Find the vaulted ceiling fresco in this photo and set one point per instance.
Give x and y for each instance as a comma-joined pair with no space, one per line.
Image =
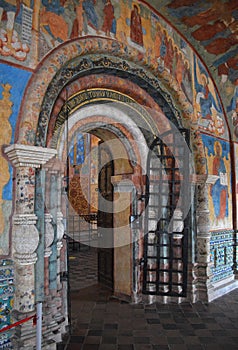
211,26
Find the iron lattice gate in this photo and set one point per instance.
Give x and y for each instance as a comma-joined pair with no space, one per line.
167,216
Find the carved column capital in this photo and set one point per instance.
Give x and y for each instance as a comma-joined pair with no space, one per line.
28,156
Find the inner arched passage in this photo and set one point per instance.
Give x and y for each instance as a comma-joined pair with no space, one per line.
126,146
112,114
117,121
112,126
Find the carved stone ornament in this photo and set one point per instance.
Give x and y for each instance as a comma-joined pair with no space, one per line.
49,234
25,234
60,229
203,247
203,222
203,219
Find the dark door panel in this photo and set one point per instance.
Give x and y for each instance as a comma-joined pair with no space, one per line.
105,217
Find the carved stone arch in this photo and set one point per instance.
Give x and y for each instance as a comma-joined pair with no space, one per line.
63,60
96,64
179,113
173,104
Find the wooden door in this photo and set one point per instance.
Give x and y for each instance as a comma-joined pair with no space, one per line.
105,217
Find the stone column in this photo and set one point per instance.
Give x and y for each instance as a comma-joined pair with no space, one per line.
25,235
55,173
203,244
49,238
54,307
50,325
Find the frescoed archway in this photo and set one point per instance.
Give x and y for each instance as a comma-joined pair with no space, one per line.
84,81
128,78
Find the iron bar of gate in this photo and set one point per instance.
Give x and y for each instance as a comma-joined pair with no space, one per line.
82,229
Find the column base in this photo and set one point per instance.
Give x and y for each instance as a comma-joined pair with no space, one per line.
221,288
24,336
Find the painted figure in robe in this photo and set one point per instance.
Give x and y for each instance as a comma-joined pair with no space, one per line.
90,13
233,108
79,23
136,33
53,25
206,95
108,17
219,190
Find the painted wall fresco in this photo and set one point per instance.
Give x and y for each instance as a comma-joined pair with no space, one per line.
232,107
17,35
219,179
31,30
212,28
83,186
236,178
133,24
207,103
94,174
12,85
83,173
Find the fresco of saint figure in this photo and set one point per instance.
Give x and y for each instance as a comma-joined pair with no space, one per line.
78,25
206,96
219,190
90,13
53,25
233,108
136,33
109,18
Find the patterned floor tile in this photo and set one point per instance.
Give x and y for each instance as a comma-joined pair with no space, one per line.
102,322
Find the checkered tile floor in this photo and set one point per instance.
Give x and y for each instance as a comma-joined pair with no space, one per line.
100,322
82,267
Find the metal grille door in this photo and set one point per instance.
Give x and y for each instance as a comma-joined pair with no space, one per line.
167,217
